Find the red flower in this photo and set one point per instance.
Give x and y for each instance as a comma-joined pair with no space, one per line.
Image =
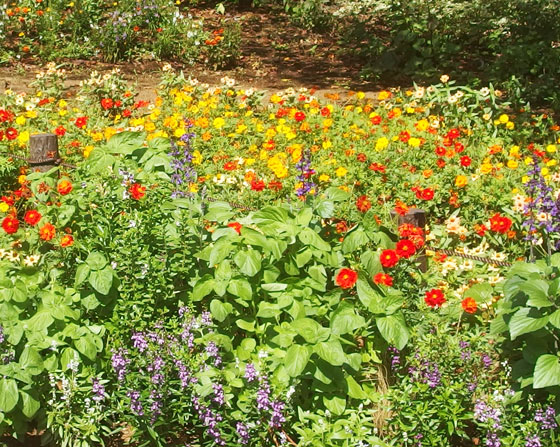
64,187
426,194
126,113
47,232
389,258
137,191
469,305
459,147
384,279
10,224
60,131
230,166
32,217
377,167
299,116
275,185
440,151
376,119
258,185
440,163
480,229
346,278
236,226
453,133
434,298
404,136
361,157
81,122
106,103
363,204
405,248
325,111
500,224
67,240
341,227
465,161
11,133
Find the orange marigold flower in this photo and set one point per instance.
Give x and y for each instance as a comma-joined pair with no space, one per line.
64,187
137,191
346,278
383,279
47,232
236,226
67,240
469,305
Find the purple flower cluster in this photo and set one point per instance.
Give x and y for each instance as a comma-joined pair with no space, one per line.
395,357
243,433
251,373
210,419
219,397
465,351
181,163
277,414
2,336
212,351
135,404
119,361
491,417
306,172
546,418
533,441
98,390
428,372
543,203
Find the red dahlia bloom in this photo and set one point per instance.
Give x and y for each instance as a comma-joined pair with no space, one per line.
465,161
383,279
32,217
11,133
405,248
346,278
137,191
81,122
434,298
10,224
106,103
469,305
258,185
299,116
389,258
60,131
500,224
376,119
363,204
427,194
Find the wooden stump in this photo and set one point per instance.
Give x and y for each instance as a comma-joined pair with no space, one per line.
43,152
416,217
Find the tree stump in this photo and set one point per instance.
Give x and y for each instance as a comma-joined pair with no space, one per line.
43,152
416,217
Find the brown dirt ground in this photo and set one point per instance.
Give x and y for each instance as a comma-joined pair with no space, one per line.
275,55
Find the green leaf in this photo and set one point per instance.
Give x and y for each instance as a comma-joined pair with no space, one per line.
309,329
325,209
240,288
537,290
308,237
554,319
296,360
31,361
248,261
96,261
101,280
331,352
274,287
344,319
268,310
547,371
82,273
86,346
369,297
355,391
30,405
220,212
394,330
220,310
481,293
246,325
335,404
9,395
124,142
521,323
40,321
203,287
65,213
354,240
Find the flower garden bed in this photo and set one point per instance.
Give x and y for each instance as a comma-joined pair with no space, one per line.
214,267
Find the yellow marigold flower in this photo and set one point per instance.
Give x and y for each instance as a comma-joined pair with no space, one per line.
512,164
381,144
31,113
422,125
291,135
397,112
551,148
87,150
545,171
358,110
250,161
341,171
63,112
62,103
149,126
193,187
4,207
510,125
263,154
179,132
485,168
360,95
241,128
344,188
410,110
196,157
171,122
21,179
525,179
383,95
109,132
270,133
327,144
218,123
414,142
324,178
97,136
275,99
23,137
551,163
528,161
503,119
296,153
20,120
327,122
461,181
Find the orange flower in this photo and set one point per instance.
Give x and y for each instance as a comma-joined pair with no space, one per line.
67,240
64,187
346,278
469,305
47,232
137,191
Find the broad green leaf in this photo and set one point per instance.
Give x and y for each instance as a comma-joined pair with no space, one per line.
369,297
220,212
268,310
9,395
371,263
96,261
325,209
303,257
82,273
248,261
331,352
219,310
65,213
274,287
40,321
86,346
537,290
309,329
101,280
355,391
309,237
247,325
394,330
335,404
30,405
344,319
522,323
296,360
547,371
203,287
554,319
357,238
241,288
481,293
31,361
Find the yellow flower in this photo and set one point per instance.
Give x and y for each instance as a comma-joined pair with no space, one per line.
87,151
341,171
422,125
22,179
486,168
525,179
193,187
512,164
503,119
250,161
196,157
383,95
360,95
149,126
62,103
20,120
179,132
327,144
31,113
510,125
4,207
551,163
109,132
324,178
551,148
23,137
545,171
461,181
381,144
414,142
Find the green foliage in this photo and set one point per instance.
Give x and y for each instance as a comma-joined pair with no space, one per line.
529,314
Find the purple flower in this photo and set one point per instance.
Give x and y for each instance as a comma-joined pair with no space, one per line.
219,397
2,336
181,163
487,361
212,351
533,441
98,390
250,372
304,166
493,440
243,433
119,362
395,358
263,396
135,404
277,417
139,342
485,413
547,418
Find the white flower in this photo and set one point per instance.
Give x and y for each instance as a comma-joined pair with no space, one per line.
485,91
